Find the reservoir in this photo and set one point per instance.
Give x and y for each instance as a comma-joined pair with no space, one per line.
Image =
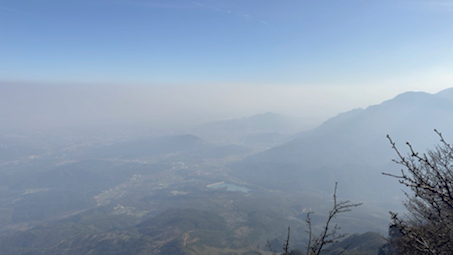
228,186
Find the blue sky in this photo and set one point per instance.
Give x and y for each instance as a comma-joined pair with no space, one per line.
362,51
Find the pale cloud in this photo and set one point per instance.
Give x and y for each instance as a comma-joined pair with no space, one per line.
438,6
185,4
160,4
13,10
229,12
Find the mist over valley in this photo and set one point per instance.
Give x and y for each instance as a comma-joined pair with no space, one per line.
216,187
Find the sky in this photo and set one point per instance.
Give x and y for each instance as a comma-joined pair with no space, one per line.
209,59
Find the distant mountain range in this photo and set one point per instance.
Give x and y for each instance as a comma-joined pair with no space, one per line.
359,136
260,130
266,122
170,147
352,147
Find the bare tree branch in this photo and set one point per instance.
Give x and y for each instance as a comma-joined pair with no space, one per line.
329,234
428,229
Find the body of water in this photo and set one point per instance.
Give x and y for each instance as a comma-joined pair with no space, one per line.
229,186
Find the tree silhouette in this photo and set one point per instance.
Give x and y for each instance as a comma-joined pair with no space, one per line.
428,226
329,234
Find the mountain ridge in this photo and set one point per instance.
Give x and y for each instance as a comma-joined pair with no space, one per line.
364,127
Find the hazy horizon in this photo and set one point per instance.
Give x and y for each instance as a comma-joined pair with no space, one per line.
179,62
48,106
